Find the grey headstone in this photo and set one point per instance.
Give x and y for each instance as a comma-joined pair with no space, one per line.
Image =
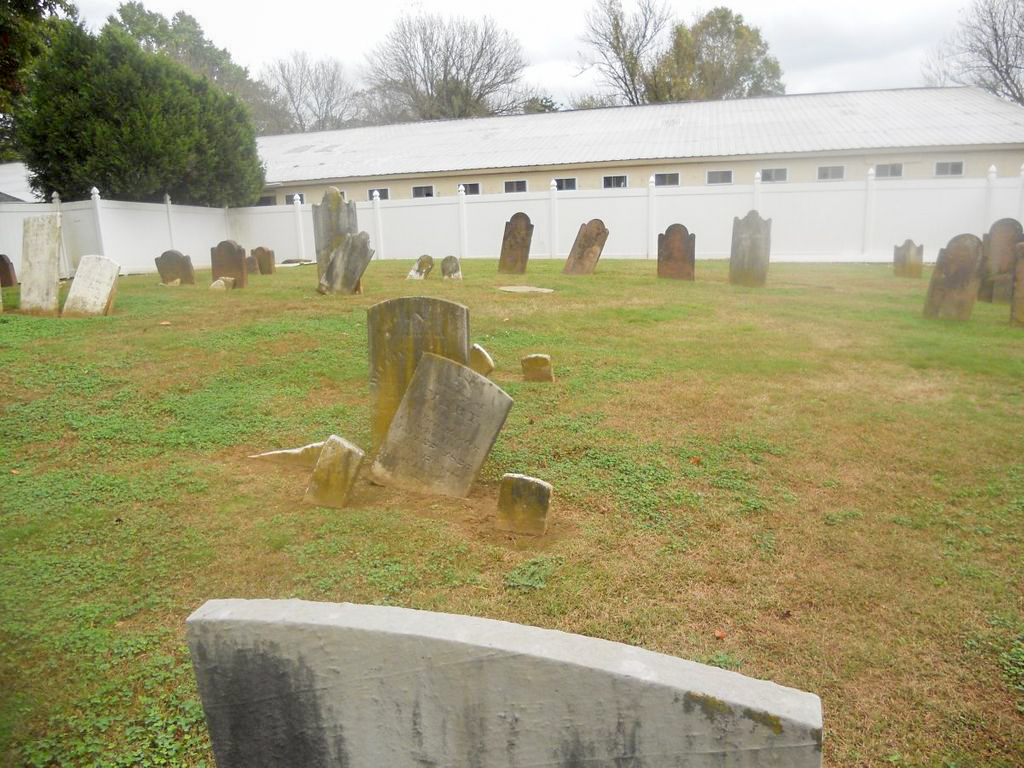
751,250
480,360
345,271
7,274
40,271
424,266
93,289
227,259
515,245
586,248
333,222
523,504
997,259
451,269
955,279
174,265
908,259
677,253
334,474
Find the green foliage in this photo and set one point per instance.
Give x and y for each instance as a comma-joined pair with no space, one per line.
22,31
533,574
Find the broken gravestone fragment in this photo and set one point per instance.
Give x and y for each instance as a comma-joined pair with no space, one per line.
345,270
300,458
480,361
515,245
676,253
955,280
907,259
227,259
751,250
94,287
537,368
223,284
424,266
334,474
333,222
524,289
523,505
586,249
451,268
174,265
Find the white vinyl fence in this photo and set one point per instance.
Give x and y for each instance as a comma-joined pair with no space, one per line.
820,221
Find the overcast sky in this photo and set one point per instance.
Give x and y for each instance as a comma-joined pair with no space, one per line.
821,46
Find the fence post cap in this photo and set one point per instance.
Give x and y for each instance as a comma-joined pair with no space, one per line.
757,177
94,193
992,172
376,195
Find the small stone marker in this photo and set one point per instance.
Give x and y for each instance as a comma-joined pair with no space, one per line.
174,265
751,250
537,368
296,683
424,266
480,361
955,280
264,260
223,284
400,331
443,430
94,287
586,249
7,275
333,222
515,245
907,259
227,259
997,260
676,253
451,268
523,505
335,472
524,289
172,284
40,272
300,458
1017,294
345,270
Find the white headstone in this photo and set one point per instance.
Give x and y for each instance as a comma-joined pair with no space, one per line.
92,290
40,260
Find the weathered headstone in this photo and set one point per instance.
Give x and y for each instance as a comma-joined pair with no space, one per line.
907,259
345,270
997,260
296,683
515,245
451,269
424,266
676,253
400,331
251,265
333,221
174,265
1017,293
443,429
40,271
751,250
480,361
537,368
335,472
94,287
7,275
523,505
264,260
955,279
227,259
300,458
586,249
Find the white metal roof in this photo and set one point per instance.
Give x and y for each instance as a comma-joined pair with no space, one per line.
14,181
855,120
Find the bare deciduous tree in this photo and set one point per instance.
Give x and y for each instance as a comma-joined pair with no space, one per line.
624,48
317,93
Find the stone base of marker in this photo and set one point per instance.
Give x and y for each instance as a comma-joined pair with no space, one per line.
223,284
480,361
451,268
305,457
523,504
335,472
537,368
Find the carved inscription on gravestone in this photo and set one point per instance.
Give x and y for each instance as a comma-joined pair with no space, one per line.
333,221
751,250
174,265
676,253
40,275
1017,292
515,245
93,289
264,260
997,260
7,274
955,279
586,249
345,271
907,259
443,430
227,259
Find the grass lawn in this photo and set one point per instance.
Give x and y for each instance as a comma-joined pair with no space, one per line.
807,483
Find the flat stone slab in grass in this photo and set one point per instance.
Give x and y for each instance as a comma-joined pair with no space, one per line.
907,259
94,287
223,284
523,504
424,266
174,265
955,280
997,259
443,430
227,259
40,272
537,368
751,250
335,472
676,253
296,683
480,360
264,260
586,249
333,221
515,245
524,289
300,458
345,270
7,274
451,268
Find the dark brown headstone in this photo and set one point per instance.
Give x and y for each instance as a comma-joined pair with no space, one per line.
586,250
515,245
264,260
907,259
1017,291
7,276
676,249
227,259
174,265
997,259
751,250
954,284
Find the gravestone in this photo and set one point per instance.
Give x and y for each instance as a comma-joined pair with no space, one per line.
300,458
333,222
227,259
400,331
443,429
751,250
345,270
537,368
174,265
515,245
480,361
297,683
451,269
251,265
265,261
94,287
955,279
997,260
523,505
586,249
424,266
40,271
907,259
334,474
1017,292
7,275
676,253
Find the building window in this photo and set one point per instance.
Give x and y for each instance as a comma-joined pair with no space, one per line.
290,199
384,193
774,175
949,168
831,172
666,179
427,191
888,170
267,200
472,188
615,182
565,185
719,177
515,186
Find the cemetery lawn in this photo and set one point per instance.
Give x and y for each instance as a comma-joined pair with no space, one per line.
807,483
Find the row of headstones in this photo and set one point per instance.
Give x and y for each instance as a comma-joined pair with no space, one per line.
228,264
451,268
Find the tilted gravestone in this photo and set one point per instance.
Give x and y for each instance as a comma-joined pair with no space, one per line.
227,259
297,683
400,331
955,279
424,266
480,360
334,474
7,274
174,265
676,253
1017,294
751,250
94,287
345,270
907,259
40,259
333,222
265,261
451,268
443,429
515,245
586,249
997,260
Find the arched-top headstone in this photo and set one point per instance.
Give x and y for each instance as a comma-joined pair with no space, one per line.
586,249
290,682
174,265
7,274
515,245
751,250
333,221
907,259
424,266
265,260
955,279
676,253
997,260
451,268
345,270
40,271
1017,294
227,259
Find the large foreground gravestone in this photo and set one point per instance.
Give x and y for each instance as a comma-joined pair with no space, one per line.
174,265
1017,294
40,259
751,250
586,249
907,259
265,260
400,331
443,429
515,245
345,271
333,222
94,287
7,274
297,683
997,260
227,259
955,279
676,253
